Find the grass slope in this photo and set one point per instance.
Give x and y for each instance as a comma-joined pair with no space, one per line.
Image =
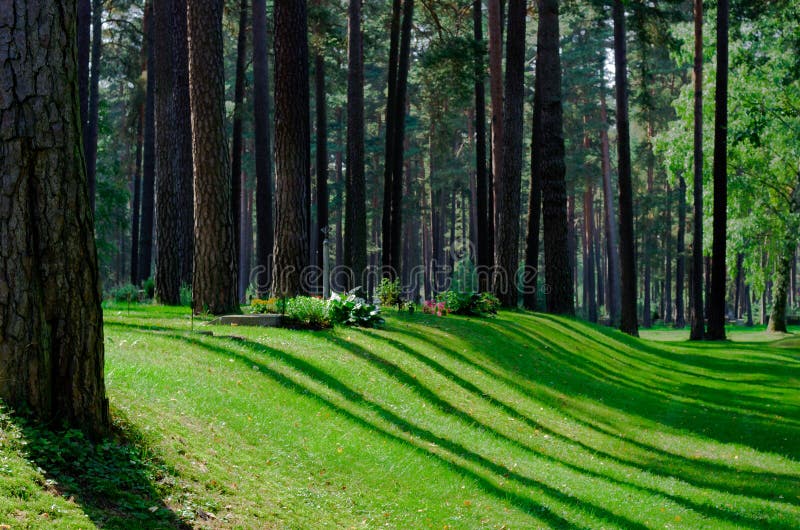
522,421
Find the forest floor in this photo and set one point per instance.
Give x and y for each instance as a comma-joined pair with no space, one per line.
519,421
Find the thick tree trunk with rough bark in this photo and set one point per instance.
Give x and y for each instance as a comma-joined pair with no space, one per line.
263,149
697,313
495,26
182,140
388,168
355,240
167,277
557,269
716,322
51,323
292,149
214,282
628,322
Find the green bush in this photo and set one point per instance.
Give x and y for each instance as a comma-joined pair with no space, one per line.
123,293
270,306
149,287
186,295
352,310
308,311
389,292
469,303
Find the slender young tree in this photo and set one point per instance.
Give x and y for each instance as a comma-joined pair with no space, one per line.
355,243
558,272
52,339
237,149
611,231
680,267
214,282
90,140
530,299
292,149
322,152
137,198
628,323
697,310
148,165
484,249
716,322
263,149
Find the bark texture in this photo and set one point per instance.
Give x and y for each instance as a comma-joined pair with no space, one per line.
508,203
167,277
697,314
628,321
355,243
716,322
558,272
214,278
51,324
292,149
482,213
263,149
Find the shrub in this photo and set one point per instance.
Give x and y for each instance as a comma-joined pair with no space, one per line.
352,310
123,293
149,287
389,292
469,303
272,305
429,307
186,295
308,311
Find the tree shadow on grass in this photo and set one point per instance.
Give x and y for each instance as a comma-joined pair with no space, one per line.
117,481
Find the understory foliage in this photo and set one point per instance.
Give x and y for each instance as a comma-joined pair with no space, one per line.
469,303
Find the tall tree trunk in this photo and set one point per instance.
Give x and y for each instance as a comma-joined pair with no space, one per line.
84,25
780,290
388,169
680,267
508,183
322,157
398,138
738,286
495,15
612,252
590,302
697,311
182,139
246,236
716,323
137,198
558,273
148,168
355,245
531,295
90,140
214,283
666,298
485,252
263,150
628,323
292,147
167,277
237,149
339,189
52,338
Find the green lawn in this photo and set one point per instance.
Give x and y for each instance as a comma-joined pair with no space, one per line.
520,421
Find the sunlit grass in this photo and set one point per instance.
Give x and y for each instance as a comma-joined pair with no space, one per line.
523,420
